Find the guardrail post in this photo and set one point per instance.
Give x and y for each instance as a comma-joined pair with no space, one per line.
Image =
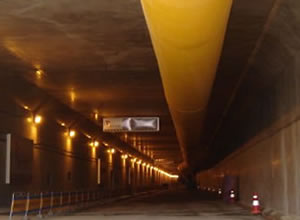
69,198
40,215
11,213
70,201
27,206
61,201
51,204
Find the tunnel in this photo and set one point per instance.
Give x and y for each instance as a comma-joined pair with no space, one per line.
150,109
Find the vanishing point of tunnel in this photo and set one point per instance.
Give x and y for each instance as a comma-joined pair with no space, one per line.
150,109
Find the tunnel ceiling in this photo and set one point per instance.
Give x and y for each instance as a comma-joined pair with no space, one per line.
97,57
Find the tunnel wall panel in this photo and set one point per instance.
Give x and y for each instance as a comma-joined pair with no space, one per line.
59,163
262,124
269,167
51,160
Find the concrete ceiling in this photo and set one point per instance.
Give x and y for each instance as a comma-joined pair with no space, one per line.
97,57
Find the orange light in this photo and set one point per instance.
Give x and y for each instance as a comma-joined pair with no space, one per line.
39,73
72,95
72,133
94,144
37,119
111,151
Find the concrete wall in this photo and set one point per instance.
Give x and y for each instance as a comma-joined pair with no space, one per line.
263,121
269,166
59,163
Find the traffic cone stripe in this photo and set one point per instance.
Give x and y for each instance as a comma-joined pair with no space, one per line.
255,205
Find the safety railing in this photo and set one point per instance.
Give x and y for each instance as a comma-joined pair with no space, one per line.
49,203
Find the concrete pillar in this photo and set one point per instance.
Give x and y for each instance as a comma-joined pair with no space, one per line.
133,175
144,174
110,175
147,176
150,176
124,172
138,175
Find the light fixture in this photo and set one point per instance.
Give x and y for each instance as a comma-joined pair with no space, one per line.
94,144
139,162
111,151
37,119
144,164
124,156
71,133
39,73
96,116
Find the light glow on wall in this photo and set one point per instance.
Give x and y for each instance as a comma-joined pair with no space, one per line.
34,133
69,144
99,171
94,152
39,73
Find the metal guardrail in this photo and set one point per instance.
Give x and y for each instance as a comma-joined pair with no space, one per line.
49,203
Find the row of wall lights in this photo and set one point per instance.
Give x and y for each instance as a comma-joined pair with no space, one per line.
37,119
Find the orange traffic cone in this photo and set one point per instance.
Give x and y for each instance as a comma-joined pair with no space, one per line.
255,205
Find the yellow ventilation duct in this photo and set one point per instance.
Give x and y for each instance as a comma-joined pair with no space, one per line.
187,36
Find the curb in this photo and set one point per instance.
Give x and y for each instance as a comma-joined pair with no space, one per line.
270,214
273,215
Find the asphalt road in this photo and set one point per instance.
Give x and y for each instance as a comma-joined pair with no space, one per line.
180,204
166,205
